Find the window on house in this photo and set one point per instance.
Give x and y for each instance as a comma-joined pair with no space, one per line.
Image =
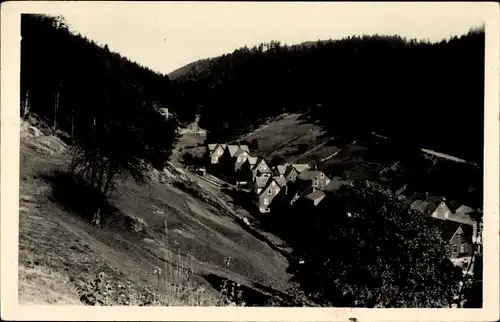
266,201
315,182
269,191
454,249
446,214
462,248
322,175
327,181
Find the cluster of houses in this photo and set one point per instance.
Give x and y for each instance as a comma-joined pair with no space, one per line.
307,186
269,183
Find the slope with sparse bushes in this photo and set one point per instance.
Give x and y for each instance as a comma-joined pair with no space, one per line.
170,246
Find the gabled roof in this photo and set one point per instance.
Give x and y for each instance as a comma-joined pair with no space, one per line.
280,181
233,149
245,148
259,161
315,195
450,228
240,151
426,205
309,174
300,167
462,218
463,209
268,183
262,181
281,169
336,183
252,160
289,169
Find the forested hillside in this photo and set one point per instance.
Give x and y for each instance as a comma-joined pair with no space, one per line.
77,86
425,94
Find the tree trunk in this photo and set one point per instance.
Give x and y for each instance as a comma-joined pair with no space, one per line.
26,106
94,157
56,106
72,124
109,178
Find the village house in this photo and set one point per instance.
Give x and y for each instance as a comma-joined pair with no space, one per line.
228,160
261,169
317,180
231,149
335,184
252,161
258,184
215,151
301,167
241,157
312,198
244,173
459,227
279,170
459,237
291,173
274,187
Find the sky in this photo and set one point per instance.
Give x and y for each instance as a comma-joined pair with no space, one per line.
165,36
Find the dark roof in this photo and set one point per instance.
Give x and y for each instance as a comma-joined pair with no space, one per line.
449,228
281,183
309,174
317,194
426,205
289,169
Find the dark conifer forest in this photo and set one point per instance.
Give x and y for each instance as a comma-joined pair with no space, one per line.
111,110
425,94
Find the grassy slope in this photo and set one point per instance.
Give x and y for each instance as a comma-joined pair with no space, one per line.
280,136
58,249
284,135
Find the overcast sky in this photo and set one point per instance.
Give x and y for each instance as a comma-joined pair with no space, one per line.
165,36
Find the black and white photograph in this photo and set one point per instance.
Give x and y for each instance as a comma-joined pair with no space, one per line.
252,155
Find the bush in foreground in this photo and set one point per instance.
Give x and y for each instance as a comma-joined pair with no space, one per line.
365,248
